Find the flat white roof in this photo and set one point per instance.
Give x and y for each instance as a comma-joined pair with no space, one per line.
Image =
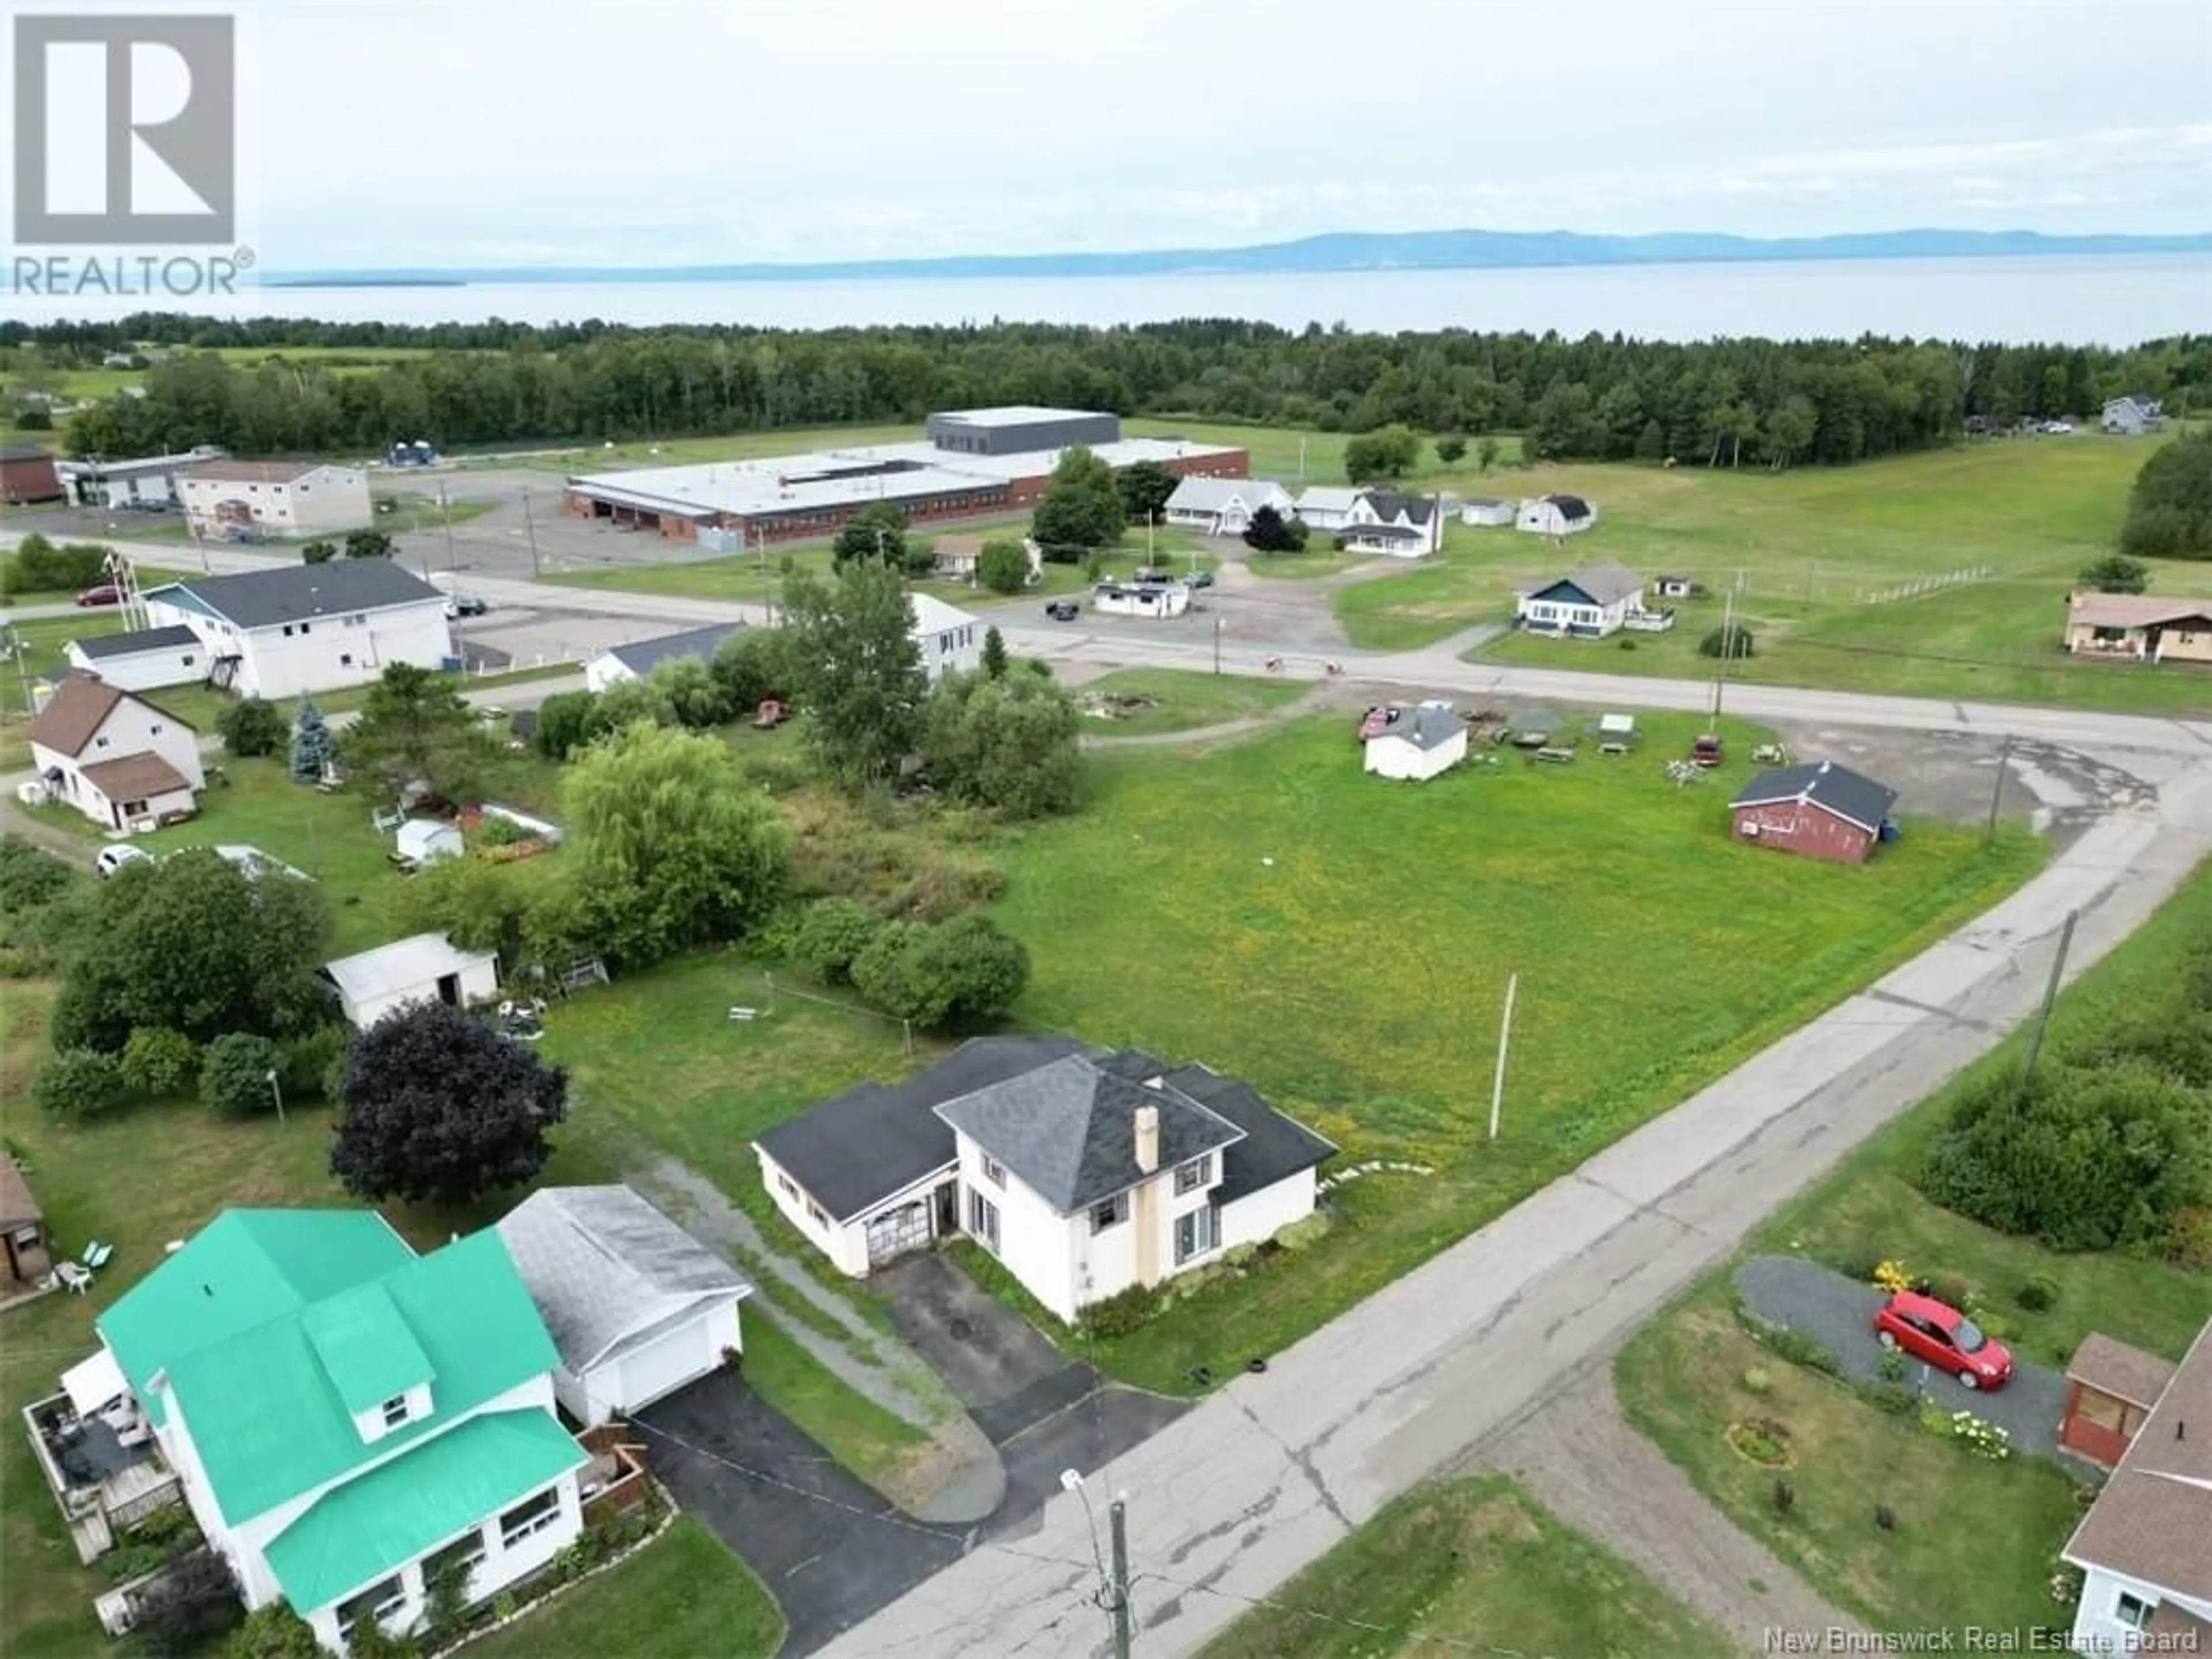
401,966
843,477
1016,415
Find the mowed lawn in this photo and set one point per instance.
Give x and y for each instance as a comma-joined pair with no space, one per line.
683,1593
1828,561
1468,1566
1148,702
1344,943
758,577
1686,1376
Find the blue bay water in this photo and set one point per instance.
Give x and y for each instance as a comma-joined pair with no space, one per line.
2070,300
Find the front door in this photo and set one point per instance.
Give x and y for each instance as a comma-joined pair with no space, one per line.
983,1221
449,989
948,1209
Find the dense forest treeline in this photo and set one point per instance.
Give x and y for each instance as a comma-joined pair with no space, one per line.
1723,402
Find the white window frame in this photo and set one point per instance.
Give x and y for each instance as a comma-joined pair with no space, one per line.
994,1172
1204,1224
1109,1213
379,1611
511,1535
2143,1609
1197,1173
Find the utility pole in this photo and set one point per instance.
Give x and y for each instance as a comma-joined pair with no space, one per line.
1504,1037
20,649
276,1090
2050,996
445,512
1118,1522
1727,644
1996,791
530,525
1217,645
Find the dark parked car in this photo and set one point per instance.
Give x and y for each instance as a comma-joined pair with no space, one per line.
1201,579
101,596
1938,1334
1063,610
460,605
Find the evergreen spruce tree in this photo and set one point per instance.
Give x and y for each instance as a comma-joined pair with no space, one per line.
311,742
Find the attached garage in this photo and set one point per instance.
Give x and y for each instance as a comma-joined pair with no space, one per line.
636,1306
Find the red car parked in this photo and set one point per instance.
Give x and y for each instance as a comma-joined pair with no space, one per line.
1938,1334
101,596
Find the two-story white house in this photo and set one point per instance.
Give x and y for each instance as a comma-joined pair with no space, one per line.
225,498
1400,526
123,761
349,1419
2145,1546
951,640
308,627
1223,507
1085,1170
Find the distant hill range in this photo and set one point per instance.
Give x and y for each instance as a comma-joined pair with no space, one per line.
1420,250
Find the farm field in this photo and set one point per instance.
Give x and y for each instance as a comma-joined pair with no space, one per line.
1270,861
1682,1378
1467,1564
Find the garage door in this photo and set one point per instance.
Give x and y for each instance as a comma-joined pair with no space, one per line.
681,1357
895,1232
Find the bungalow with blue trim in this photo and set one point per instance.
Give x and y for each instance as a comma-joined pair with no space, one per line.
1590,603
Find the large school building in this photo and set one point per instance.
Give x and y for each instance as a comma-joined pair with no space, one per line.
974,463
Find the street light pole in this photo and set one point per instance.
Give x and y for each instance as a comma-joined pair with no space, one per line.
1217,645
274,1090
445,512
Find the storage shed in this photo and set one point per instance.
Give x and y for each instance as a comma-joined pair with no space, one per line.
1416,742
424,968
1819,809
2111,1389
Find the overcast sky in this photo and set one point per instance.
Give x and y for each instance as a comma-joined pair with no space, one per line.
641,131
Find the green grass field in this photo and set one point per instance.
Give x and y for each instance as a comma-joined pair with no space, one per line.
1825,559
685,1587
1468,1565
1180,700
1343,942
1682,1377
757,577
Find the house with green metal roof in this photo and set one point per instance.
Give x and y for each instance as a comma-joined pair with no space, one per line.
350,1417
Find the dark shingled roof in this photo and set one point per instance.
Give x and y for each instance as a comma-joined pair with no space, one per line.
1570,507
100,645
1390,503
856,1148
1069,1129
700,643
1852,796
24,453
1274,1146
263,598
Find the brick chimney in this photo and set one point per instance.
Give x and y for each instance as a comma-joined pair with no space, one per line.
1148,1138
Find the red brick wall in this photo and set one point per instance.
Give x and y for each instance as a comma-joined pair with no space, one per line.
1800,827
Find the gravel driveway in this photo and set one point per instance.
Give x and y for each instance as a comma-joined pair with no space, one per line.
1838,1313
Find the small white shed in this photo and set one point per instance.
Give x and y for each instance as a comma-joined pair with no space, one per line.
425,967
1484,510
425,840
1418,743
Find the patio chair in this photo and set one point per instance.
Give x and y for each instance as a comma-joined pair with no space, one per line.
96,1255
74,1279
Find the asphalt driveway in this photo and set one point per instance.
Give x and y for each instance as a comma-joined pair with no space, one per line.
1838,1313
830,1548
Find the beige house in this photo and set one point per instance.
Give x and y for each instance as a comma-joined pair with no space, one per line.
2138,626
228,499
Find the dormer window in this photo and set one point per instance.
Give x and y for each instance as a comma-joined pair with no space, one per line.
395,1411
